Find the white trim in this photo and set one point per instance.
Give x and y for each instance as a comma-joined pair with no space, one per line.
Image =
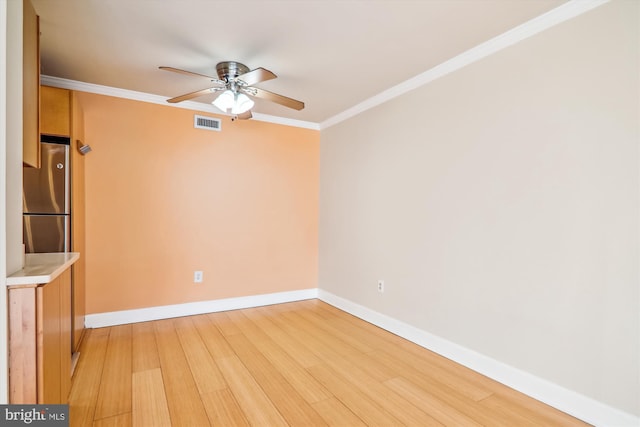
568,401
285,121
547,20
189,309
161,100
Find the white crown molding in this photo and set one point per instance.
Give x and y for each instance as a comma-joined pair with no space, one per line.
161,100
565,400
190,309
545,21
569,10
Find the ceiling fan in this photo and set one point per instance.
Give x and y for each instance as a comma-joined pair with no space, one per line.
236,81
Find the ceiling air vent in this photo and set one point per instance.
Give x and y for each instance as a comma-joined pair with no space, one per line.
209,123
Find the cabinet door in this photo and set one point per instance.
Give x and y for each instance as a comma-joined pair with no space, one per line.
30,86
55,107
54,355
22,346
50,348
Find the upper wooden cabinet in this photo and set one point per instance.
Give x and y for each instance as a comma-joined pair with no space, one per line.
55,108
30,86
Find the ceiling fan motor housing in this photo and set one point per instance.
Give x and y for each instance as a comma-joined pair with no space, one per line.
229,70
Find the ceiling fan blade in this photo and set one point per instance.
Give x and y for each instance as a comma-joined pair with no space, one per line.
244,116
274,97
194,94
191,73
255,76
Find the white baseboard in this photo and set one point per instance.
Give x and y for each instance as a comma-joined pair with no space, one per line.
570,402
189,309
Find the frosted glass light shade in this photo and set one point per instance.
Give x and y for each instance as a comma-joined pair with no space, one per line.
224,101
243,104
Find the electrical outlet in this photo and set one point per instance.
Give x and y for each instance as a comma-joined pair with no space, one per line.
197,277
381,286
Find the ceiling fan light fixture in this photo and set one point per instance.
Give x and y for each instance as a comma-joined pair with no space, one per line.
242,104
224,101
236,86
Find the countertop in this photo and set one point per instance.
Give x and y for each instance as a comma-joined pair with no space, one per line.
42,268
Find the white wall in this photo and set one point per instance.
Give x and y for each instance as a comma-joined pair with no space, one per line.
14,137
3,203
500,204
10,161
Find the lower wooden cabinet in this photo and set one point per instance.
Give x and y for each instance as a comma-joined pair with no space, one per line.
40,342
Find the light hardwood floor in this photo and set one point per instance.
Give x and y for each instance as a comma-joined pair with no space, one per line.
297,364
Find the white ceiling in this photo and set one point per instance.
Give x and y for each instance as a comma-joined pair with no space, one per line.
331,54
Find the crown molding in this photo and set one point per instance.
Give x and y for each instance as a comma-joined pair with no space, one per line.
530,28
161,100
563,13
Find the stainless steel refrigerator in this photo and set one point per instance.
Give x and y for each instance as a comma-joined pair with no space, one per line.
46,204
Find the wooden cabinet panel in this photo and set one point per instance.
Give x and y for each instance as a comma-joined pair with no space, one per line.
40,342
30,86
65,335
22,346
55,108
49,348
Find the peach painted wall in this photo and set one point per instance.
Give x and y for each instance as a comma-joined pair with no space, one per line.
164,199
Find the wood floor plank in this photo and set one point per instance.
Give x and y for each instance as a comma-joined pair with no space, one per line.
368,411
149,402
255,404
499,410
86,381
185,405
359,329
222,322
537,412
355,322
223,410
114,397
335,414
327,323
428,403
204,370
469,388
474,380
212,337
324,338
310,389
302,363
452,397
393,403
273,328
145,350
291,405
122,420
324,345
